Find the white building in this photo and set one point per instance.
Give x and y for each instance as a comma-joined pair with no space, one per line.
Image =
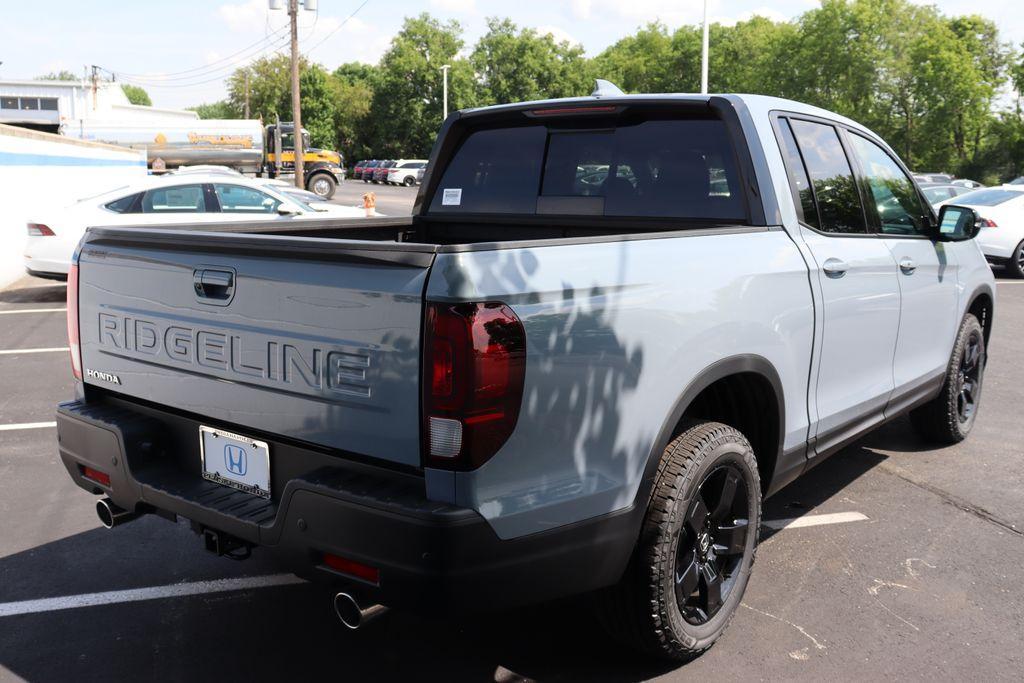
53,106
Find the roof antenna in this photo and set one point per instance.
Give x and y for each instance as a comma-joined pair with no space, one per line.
603,88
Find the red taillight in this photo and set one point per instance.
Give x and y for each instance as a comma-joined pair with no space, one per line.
987,223
353,568
73,341
561,111
39,230
95,475
473,383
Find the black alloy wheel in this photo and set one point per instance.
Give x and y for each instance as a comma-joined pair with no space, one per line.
711,544
969,376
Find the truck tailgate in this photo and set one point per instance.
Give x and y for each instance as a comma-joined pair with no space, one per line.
313,339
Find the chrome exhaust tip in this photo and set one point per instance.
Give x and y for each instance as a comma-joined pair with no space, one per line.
111,515
354,617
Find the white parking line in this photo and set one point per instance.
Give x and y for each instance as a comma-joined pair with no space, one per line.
177,590
1009,282
34,310
814,520
11,352
27,425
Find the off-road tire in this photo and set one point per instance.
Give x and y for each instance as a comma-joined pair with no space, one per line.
642,610
940,420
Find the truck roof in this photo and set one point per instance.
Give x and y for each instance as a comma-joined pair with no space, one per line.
758,105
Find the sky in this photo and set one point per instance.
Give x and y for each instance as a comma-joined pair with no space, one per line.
180,51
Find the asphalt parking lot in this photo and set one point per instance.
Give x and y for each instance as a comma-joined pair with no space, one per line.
391,200
902,562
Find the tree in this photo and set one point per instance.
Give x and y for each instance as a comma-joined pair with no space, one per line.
216,110
514,65
648,61
270,97
749,57
62,75
407,102
354,86
136,95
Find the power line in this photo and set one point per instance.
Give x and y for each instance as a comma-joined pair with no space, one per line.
269,38
223,69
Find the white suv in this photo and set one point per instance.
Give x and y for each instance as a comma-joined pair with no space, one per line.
404,172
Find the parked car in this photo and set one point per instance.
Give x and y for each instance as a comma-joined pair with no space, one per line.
939,192
357,170
380,173
368,168
969,184
404,172
207,169
1017,181
162,200
933,177
1002,224
534,388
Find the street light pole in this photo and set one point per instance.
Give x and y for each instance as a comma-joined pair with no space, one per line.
293,15
444,72
704,54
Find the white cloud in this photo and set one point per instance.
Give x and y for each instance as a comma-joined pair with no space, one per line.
252,17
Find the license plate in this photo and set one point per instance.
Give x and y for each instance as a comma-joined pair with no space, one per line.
235,460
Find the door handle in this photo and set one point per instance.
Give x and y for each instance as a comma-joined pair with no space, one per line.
834,267
214,286
907,266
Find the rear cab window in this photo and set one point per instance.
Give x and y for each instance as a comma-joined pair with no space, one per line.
646,164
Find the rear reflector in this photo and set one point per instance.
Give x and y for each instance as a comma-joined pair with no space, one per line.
39,230
73,339
95,475
353,568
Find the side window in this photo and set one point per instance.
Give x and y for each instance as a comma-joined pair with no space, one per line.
180,199
835,190
123,205
799,183
899,208
238,199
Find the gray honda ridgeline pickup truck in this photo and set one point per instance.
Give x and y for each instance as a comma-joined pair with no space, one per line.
610,328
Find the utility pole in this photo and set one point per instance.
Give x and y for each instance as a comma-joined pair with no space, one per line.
293,14
704,54
444,72
246,93
95,85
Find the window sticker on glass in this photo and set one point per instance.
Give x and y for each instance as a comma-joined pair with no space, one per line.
452,196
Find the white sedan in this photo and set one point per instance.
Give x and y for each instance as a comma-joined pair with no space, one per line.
53,235
1002,224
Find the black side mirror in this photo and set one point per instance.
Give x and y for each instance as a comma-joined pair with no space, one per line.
958,223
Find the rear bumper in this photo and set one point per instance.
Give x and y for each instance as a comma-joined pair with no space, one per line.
431,556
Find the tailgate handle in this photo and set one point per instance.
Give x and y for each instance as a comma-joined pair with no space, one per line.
214,286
